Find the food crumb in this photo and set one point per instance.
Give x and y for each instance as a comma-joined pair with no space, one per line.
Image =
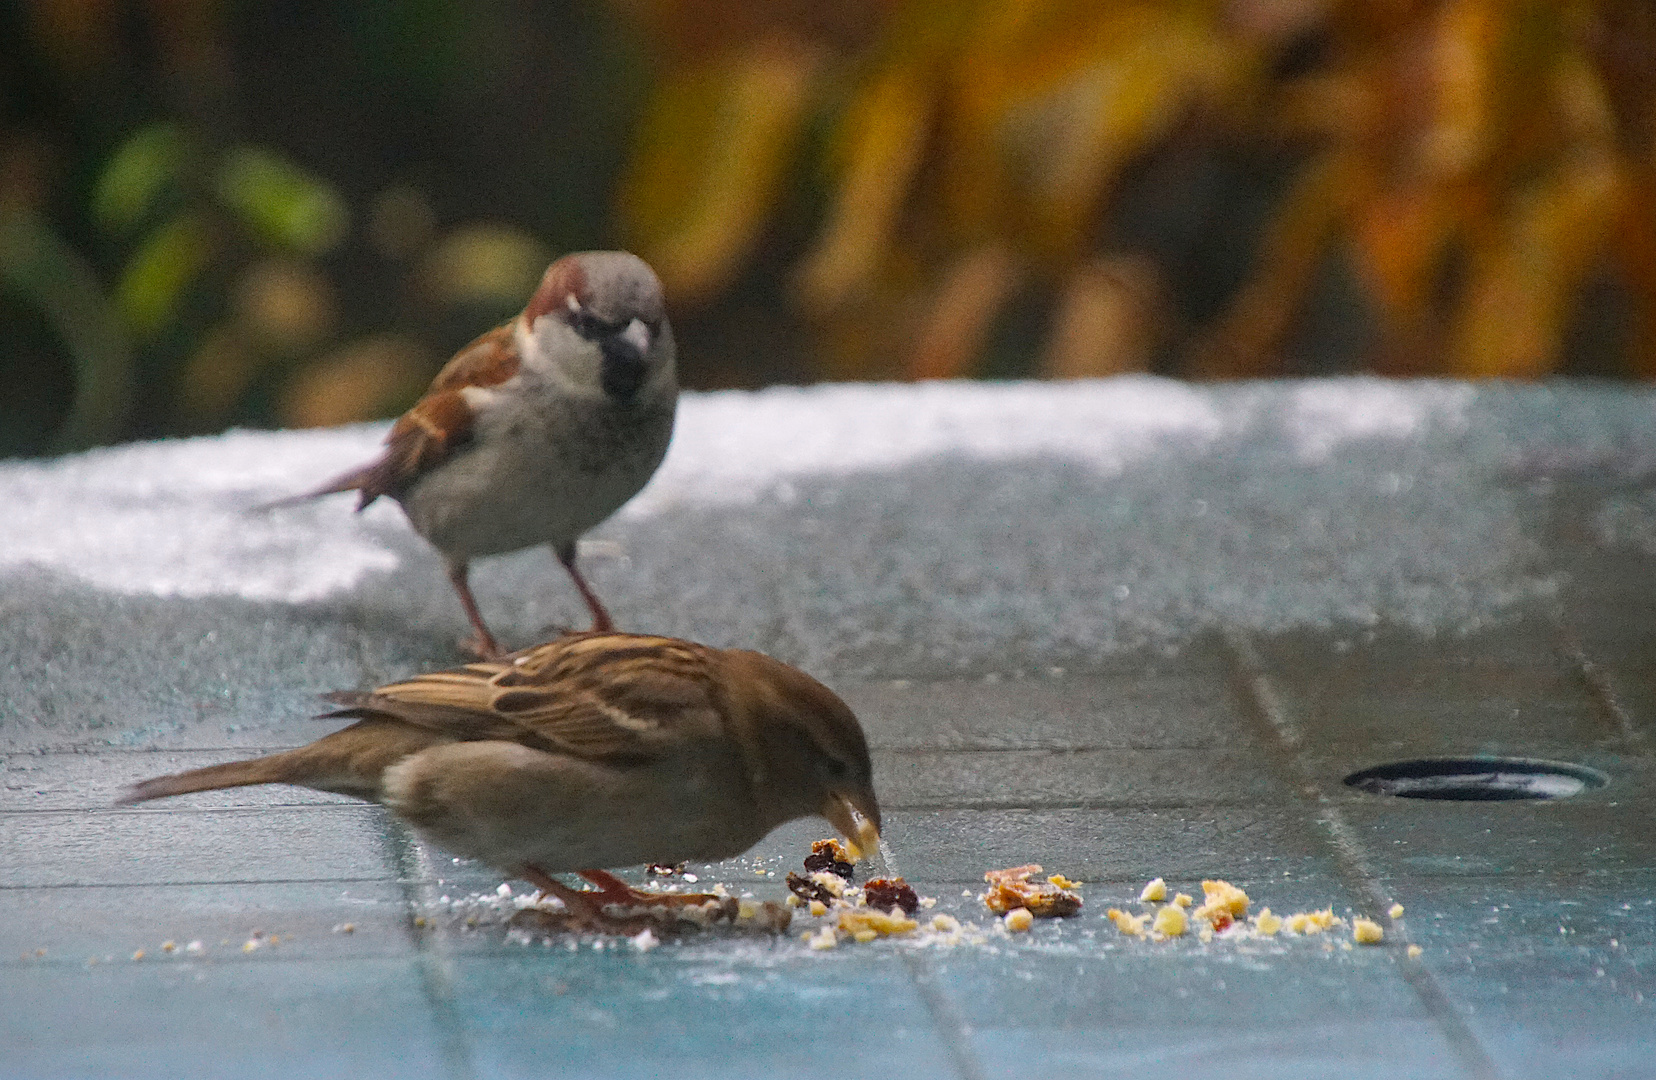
1062,882
419,920
1415,950
854,920
1170,921
1183,899
1018,920
195,948
1366,932
1205,934
945,924
644,940
168,946
1267,923
1131,925
1011,888
865,935
345,928
887,893
1153,892
825,938
1396,911
139,955
249,945
818,909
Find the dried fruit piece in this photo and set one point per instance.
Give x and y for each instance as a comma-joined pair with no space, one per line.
808,888
830,855
887,893
1011,888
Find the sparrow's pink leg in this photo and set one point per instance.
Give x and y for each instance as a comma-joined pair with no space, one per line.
484,644
600,618
616,891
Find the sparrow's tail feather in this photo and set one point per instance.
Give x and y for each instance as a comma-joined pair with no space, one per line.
348,762
274,769
355,480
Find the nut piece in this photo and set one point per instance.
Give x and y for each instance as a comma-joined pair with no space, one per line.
887,893
1011,888
1018,920
1154,892
1170,921
1366,932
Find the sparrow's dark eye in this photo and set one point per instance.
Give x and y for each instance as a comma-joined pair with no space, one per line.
590,326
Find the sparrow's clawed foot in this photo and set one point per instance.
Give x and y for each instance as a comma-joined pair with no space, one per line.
615,907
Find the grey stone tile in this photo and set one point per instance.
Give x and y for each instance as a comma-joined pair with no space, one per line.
80,780
1185,705
157,847
741,1009
286,1019
1059,778
74,924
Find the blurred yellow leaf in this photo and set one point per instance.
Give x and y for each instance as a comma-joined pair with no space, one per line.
216,377
153,283
1521,287
489,264
287,307
710,160
1105,321
364,380
956,328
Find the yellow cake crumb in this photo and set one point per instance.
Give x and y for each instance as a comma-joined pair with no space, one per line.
1395,911
865,935
1131,925
1153,892
1170,921
1223,892
1366,932
1415,950
139,955
854,920
792,900
825,938
1205,934
833,884
817,909
1267,923
945,924
1183,899
1062,882
169,945
1019,920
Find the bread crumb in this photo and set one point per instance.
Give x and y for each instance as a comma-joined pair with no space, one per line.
1183,899
1131,925
644,940
945,924
345,928
168,945
139,955
1062,882
928,902
1169,921
1267,923
419,920
195,948
1018,920
1366,932
817,909
864,936
825,938
1415,950
1395,911
1205,934
1154,892
792,901
249,945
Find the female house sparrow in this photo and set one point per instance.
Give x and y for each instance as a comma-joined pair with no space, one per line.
538,430
591,751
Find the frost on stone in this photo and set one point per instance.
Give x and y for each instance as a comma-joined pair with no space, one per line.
907,531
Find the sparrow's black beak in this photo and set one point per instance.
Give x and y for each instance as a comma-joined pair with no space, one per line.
623,368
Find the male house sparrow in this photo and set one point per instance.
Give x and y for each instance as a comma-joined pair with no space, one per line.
538,430
595,750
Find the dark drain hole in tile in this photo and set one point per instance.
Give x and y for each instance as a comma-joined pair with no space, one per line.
1477,779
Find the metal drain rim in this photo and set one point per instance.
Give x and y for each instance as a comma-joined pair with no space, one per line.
1478,779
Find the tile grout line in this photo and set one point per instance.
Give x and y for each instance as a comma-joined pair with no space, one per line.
415,877
1352,864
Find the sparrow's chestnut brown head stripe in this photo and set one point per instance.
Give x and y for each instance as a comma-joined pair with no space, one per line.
591,751
538,430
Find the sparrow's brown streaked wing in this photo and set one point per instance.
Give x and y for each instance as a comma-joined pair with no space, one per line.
441,422
592,696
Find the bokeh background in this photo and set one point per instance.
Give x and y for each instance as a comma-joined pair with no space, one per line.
235,212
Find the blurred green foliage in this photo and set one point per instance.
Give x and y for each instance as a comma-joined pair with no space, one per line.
261,213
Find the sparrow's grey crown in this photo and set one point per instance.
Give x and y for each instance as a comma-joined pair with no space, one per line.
620,309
